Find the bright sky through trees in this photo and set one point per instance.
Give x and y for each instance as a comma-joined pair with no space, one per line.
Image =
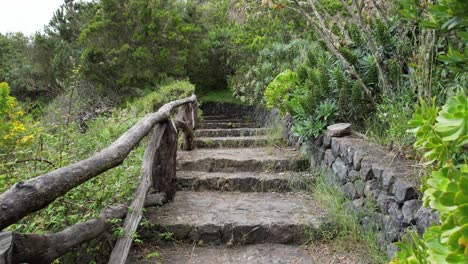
27,16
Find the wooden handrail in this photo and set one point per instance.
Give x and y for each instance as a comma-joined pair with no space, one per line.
158,170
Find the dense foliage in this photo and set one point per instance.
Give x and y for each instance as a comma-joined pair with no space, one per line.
98,66
441,136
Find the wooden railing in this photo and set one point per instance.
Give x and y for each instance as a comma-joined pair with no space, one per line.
158,171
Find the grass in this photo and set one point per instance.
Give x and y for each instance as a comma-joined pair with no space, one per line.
275,134
222,96
346,233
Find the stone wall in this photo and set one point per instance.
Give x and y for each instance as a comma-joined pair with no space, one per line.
369,174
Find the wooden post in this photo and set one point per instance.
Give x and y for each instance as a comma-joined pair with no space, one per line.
120,252
195,115
185,122
164,163
6,247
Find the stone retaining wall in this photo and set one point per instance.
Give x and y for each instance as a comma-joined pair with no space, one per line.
368,174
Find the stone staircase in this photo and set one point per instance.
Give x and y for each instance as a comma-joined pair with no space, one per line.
238,202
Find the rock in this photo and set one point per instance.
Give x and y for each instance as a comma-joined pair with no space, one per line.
366,173
403,191
326,142
387,180
391,227
377,172
360,186
409,210
372,189
350,191
392,249
381,241
357,158
378,220
329,158
317,157
206,233
383,200
340,169
339,130
348,154
424,218
394,209
335,147
318,141
353,175
358,204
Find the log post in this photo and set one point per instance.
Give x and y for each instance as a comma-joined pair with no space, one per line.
195,114
164,163
185,121
120,252
6,247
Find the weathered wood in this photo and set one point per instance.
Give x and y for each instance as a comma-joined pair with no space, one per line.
32,248
185,122
155,199
187,137
26,197
6,247
195,115
120,252
164,168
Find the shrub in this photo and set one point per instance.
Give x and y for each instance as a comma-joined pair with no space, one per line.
441,138
13,131
278,92
166,93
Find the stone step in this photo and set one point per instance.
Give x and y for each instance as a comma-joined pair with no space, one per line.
249,254
209,125
241,159
237,218
234,132
218,117
231,142
242,181
229,120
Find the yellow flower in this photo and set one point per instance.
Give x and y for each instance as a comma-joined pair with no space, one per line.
18,127
26,139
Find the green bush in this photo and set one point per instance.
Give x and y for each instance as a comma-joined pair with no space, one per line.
153,100
442,135
311,127
13,130
279,91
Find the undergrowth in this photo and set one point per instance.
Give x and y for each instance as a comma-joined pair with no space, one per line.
221,96
275,134
65,143
345,231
